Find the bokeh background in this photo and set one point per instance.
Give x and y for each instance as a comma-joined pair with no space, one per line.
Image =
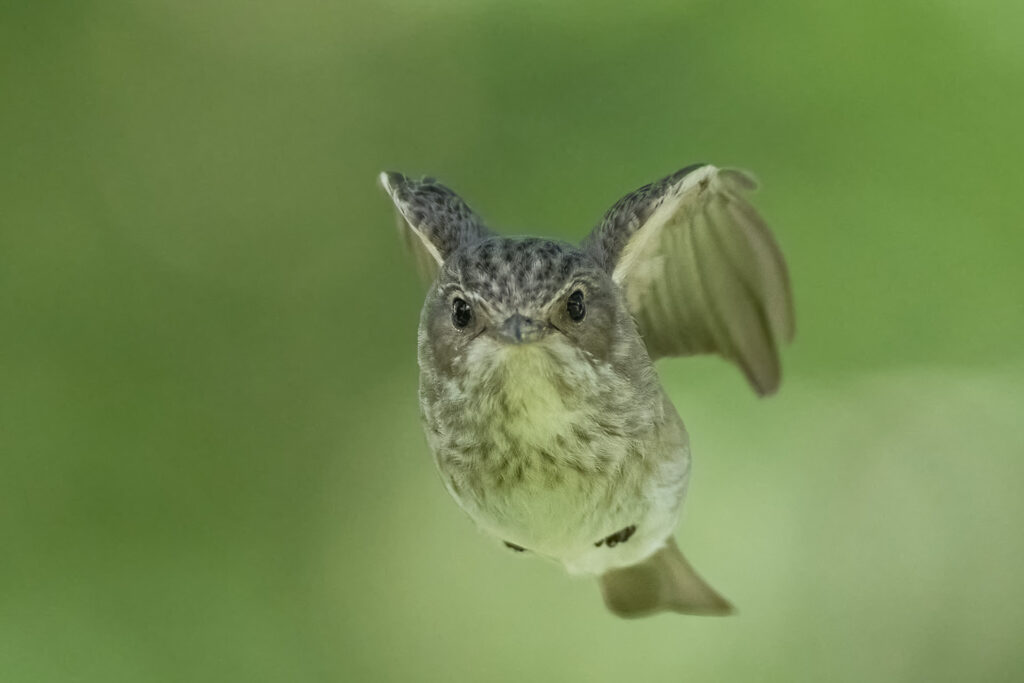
211,467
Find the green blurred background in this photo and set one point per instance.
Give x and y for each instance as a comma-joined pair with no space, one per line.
211,467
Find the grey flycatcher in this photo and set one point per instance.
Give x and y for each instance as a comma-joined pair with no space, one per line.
538,393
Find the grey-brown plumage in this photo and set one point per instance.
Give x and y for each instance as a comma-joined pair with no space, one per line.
537,387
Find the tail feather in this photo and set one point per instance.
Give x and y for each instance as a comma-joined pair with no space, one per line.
664,581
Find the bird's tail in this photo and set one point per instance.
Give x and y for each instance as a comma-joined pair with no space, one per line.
664,581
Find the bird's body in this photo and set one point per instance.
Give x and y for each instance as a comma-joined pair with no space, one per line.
538,392
550,450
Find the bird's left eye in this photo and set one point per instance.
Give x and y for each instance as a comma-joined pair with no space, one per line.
574,305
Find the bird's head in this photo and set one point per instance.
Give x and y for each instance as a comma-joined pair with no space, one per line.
497,303
500,299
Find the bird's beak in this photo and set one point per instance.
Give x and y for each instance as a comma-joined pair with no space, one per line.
520,330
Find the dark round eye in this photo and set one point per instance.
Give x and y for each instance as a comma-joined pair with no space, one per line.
462,314
577,311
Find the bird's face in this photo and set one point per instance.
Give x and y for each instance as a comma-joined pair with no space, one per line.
543,303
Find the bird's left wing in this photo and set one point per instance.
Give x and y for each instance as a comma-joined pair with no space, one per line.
701,271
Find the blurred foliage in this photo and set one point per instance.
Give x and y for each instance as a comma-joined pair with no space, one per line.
211,467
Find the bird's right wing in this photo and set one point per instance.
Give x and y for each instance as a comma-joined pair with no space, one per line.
433,220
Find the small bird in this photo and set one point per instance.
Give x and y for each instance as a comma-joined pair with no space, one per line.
538,393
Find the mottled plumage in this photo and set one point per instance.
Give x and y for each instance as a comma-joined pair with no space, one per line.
537,387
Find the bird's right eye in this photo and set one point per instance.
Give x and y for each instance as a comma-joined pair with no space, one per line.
577,311
462,314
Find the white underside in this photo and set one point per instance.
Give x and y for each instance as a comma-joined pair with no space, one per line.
563,521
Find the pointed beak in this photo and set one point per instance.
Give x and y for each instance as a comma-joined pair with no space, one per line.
520,330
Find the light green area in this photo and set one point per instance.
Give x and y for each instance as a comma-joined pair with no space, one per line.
210,460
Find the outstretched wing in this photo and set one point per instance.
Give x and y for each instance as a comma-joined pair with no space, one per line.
700,270
433,220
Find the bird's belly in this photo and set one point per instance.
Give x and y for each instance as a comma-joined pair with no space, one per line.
564,508
555,454
550,510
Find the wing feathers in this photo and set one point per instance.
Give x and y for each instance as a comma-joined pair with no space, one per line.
433,220
701,270
774,277
746,339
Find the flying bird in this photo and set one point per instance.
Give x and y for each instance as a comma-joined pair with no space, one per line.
538,393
